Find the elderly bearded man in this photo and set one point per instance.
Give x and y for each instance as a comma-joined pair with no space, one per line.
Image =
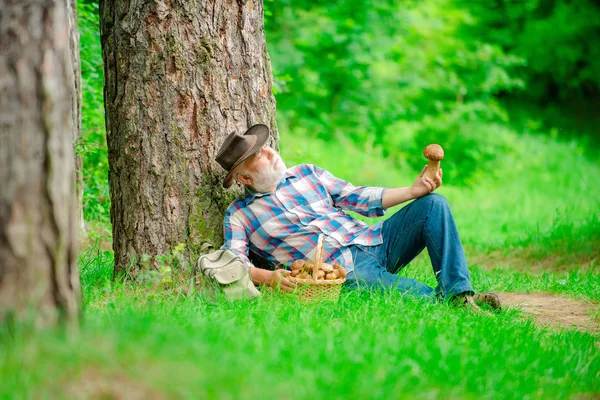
283,211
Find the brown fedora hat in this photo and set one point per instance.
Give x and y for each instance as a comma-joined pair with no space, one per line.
237,148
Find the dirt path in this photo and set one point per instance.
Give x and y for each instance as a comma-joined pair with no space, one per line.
555,310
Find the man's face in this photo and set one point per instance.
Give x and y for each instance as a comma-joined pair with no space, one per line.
264,170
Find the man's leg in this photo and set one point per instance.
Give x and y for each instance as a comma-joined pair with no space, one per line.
428,222
370,273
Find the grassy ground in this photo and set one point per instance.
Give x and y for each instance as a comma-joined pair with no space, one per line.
139,343
146,342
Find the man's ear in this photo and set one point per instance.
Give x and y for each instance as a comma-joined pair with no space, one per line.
243,178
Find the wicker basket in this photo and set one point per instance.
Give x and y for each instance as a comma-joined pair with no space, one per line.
318,290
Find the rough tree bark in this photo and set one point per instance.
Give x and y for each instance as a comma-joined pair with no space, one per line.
179,76
37,199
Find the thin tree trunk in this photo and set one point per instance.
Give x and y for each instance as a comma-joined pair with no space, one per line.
76,106
179,76
37,201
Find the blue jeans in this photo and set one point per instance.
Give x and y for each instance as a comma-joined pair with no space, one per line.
426,222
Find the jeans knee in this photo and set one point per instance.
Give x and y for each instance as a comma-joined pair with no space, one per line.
434,200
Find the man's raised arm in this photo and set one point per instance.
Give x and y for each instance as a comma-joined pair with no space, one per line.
364,200
373,201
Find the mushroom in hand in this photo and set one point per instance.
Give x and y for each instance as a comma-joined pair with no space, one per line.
434,153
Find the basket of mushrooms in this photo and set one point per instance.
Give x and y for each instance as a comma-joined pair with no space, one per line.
317,280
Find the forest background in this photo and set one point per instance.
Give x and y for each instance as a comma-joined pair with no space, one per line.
509,88
490,81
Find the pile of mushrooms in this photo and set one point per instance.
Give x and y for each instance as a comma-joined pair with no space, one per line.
317,270
306,270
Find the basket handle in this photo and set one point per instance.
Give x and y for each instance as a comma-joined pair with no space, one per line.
318,256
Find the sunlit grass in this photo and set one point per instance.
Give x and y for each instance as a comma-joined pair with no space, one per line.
137,340
504,277
157,343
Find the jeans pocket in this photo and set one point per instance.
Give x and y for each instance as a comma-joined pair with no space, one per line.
368,252
367,264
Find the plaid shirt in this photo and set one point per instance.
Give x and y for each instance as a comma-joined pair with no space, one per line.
284,225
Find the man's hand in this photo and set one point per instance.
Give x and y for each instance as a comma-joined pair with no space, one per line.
424,185
279,280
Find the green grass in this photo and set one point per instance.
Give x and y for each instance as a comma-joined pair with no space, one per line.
574,283
145,342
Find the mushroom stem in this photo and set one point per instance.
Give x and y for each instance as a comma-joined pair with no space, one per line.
433,166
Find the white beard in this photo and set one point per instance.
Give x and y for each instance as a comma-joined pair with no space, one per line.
268,178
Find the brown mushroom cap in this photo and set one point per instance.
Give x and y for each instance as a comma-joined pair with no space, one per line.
326,267
297,264
434,152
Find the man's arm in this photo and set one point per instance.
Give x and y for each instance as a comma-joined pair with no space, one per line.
422,186
277,278
363,200
372,201
237,241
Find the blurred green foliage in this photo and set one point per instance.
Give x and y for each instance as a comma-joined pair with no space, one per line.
393,76
92,144
400,75
559,39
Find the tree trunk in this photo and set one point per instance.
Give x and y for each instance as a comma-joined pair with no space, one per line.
37,223
179,76
76,107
